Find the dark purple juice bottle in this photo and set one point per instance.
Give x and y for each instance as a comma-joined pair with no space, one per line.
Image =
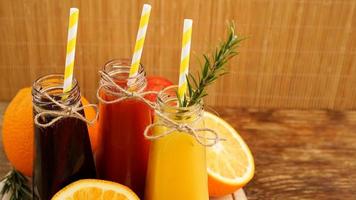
62,150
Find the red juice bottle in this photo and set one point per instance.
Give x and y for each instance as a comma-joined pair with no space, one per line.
62,150
122,155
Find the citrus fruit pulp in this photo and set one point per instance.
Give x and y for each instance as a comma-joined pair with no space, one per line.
94,189
230,163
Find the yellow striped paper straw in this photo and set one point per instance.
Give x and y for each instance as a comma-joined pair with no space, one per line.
184,58
72,37
140,39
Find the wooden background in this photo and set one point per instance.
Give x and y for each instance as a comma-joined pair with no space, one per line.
300,53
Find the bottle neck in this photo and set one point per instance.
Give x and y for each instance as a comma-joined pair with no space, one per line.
52,85
168,106
118,70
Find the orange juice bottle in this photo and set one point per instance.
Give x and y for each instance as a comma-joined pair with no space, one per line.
177,164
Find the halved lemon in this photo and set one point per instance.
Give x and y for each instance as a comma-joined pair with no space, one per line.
94,189
230,163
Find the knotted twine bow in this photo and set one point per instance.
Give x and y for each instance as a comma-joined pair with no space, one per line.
121,93
66,111
183,128
172,125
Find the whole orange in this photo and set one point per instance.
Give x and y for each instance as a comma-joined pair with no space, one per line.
17,131
93,129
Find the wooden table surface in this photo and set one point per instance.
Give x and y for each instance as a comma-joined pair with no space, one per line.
298,154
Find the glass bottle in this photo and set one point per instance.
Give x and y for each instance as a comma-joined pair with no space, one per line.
62,151
123,154
177,161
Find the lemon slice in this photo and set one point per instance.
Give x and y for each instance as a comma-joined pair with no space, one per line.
94,189
230,163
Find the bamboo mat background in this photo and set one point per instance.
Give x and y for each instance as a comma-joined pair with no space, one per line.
300,53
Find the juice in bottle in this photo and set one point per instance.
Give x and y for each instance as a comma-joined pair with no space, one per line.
177,165
123,154
62,151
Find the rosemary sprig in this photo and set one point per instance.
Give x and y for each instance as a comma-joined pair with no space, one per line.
16,185
213,68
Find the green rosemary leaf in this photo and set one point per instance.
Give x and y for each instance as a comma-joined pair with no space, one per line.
185,100
203,95
16,185
195,83
190,90
205,69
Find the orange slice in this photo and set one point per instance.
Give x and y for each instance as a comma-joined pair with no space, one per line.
94,189
230,163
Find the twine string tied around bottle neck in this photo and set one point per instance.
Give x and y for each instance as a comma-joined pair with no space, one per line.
120,93
174,126
64,112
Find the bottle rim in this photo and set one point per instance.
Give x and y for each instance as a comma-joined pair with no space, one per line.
52,84
118,70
